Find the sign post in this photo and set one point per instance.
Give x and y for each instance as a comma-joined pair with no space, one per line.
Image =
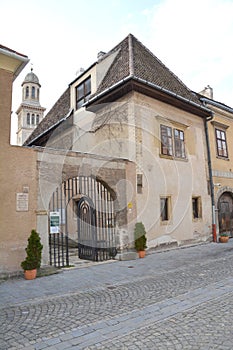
55,222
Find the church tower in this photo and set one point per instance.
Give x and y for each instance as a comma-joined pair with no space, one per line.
30,113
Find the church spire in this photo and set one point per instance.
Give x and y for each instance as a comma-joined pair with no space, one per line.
30,113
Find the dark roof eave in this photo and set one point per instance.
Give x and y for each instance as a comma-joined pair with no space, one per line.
149,89
217,104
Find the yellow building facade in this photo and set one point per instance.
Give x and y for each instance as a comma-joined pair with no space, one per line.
220,131
18,175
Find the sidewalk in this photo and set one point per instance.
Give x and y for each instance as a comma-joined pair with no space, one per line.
109,273
171,300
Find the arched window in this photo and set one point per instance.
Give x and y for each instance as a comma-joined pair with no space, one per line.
27,92
28,118
38,93
33,92
33,119
37,119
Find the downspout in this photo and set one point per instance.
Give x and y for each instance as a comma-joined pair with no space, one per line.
211,179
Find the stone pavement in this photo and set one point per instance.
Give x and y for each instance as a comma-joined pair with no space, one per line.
177,299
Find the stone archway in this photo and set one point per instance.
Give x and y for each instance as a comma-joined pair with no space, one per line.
99,198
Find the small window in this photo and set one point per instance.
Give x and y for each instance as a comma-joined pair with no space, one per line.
27,92
33,92
196,207
33,119
179,143
139,183
28,118
221,143
166,140
83,92
165,208
37,119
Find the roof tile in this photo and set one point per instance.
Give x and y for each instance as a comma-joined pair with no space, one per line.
132,59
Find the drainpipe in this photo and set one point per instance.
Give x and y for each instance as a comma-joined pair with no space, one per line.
211,179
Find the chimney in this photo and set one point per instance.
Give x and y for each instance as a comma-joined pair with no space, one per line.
100,55
80,71
207,92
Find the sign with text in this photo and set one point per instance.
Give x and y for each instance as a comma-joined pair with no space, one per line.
21,201
54,222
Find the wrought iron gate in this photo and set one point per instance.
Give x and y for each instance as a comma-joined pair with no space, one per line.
87,239
95,231
95,239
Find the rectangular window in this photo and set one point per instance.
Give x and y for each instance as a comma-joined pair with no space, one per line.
196,206
139,183
28,119
221,143
166,140
33,92
165,208
179,143
83,92
172,142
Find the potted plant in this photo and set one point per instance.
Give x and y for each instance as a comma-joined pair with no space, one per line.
33,258
140,239
223,237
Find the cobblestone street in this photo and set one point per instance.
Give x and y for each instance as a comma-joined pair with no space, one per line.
177,299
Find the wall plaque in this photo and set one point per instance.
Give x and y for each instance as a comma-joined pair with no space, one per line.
21,201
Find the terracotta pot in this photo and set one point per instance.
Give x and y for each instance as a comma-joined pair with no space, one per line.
223,239
30,274
141,253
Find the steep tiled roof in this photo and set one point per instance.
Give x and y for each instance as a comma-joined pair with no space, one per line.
135,60
56,113
119,68
132,60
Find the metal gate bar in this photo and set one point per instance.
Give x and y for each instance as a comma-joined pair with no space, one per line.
101,201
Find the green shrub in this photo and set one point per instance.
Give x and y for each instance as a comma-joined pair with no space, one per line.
34,251
140,236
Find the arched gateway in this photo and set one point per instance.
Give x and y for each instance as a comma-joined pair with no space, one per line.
87,220
225,213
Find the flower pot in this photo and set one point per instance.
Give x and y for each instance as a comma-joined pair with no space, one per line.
223,239
30,274
141,253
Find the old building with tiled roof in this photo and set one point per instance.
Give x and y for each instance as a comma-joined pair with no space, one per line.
129,106
130,64
126,142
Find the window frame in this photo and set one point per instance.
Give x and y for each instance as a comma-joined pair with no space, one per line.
165,209
86,86
27,92
179,145
139,183
221,141
172,142
166,140
28,119
196,208
33,92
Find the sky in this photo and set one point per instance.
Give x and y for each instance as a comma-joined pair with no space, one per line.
192,38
